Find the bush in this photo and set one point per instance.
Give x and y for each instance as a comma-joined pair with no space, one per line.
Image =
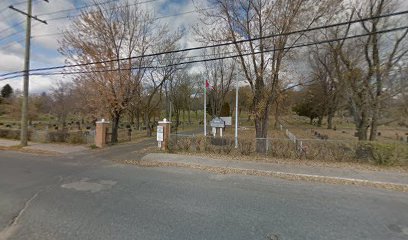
75,138
60,136
13,134
282,149
228,146
184,144
245,147
93,146
382,153
172,145
198,142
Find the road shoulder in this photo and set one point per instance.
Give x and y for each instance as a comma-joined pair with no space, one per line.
379,179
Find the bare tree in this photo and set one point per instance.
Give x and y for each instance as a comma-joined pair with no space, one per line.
112,31
167,65
220,74
261,66
62,98
365,68
381,54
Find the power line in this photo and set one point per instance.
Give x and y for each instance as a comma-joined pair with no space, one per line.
12,26
156,18
93,5
215,45
217,58
68,16
19,23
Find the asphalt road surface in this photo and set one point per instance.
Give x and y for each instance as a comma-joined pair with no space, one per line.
87,196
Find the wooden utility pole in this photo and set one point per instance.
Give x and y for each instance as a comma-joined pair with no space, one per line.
24,108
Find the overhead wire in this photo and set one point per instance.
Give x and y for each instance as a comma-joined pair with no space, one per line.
217,58
213,46
156,18
68,16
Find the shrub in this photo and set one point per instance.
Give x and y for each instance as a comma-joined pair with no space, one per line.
93,146
184,144
245,147
171,146
60,136
229,145
281,149
198,142
382,153
75,138
9,133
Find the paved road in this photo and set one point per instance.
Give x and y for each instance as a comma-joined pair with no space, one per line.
86,196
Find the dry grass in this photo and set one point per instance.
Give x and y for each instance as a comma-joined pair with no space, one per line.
318,153
27,150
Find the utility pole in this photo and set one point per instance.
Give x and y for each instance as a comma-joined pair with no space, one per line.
24,107
205,107
236,112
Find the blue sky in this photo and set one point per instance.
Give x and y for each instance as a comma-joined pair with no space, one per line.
44,43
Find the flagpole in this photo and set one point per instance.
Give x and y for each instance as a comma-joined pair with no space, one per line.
205,107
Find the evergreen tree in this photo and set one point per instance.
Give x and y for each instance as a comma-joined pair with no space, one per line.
6,91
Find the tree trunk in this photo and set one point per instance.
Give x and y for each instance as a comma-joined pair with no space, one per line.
261,130
137,124
362,128
184,116
374,124
319,121
330,119
276,116
115,126
189,116
177,119
147,125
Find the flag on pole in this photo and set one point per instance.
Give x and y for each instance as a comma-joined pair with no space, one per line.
208,86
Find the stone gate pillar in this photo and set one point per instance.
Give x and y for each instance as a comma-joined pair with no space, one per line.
102,128
163,134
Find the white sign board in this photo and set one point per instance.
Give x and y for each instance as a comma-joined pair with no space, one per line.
217,123
227,121
160,133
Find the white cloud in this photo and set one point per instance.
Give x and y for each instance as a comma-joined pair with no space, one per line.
38,84
11,58
10,61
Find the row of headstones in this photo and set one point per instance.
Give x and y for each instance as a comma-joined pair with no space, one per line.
9,125
401,138
319,135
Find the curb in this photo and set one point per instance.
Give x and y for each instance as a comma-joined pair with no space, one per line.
283,175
